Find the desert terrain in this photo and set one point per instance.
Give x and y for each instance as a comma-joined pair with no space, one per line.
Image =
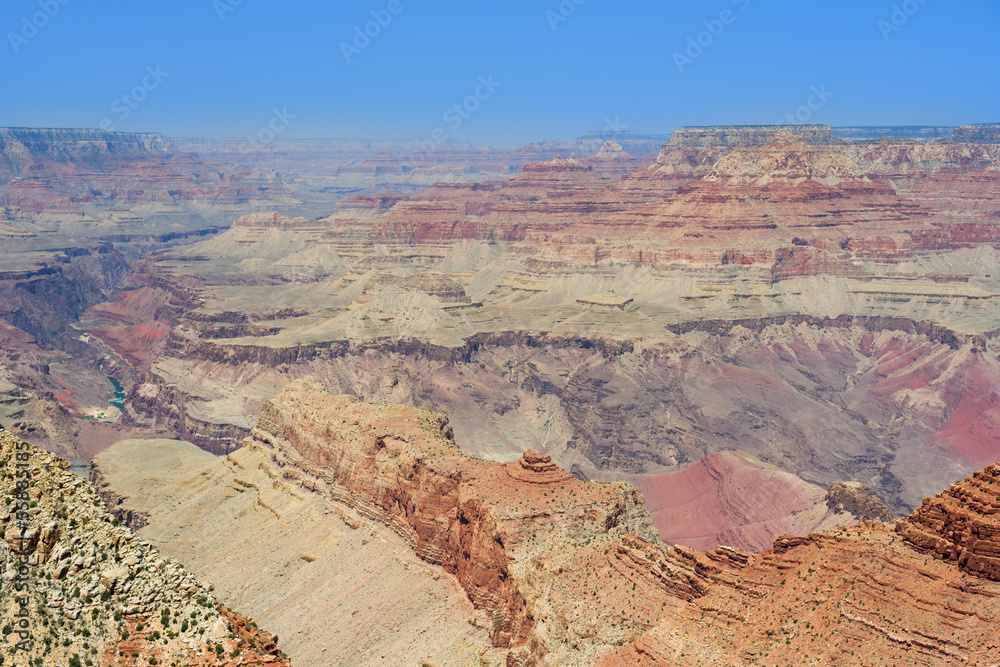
723,365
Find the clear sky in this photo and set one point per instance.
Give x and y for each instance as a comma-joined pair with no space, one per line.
552,68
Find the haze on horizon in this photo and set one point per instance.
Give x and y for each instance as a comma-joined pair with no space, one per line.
505,73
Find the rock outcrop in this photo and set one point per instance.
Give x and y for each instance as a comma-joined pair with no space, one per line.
75,583
858,501
983,133
18,142
567,571
961,524
750,135
489,525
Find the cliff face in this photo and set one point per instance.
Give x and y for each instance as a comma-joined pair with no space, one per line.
76,583
557,565
18,142
984,133
479,521
749,135
961,524
399,468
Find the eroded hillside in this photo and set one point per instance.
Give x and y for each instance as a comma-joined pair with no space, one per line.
559,571
78,587
827,307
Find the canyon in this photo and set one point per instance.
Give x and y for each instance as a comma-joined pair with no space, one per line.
716,339
556,570
771,290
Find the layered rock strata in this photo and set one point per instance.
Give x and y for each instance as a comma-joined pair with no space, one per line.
478,520
733,499
961,524
75,583
567,571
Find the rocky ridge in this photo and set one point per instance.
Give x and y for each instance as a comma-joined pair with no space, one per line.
568,573
491,526
75,583
749,135
961,524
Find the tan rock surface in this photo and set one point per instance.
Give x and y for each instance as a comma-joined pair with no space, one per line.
337,587
76,583
568,587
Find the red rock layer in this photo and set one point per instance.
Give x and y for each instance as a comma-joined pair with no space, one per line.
397,465
552,558
728,498
856,596
961,524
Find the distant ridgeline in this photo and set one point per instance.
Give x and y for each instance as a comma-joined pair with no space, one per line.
758,135
71,142
898,131
749,135
984,133
632,142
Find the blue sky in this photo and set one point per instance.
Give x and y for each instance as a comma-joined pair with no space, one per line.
555,68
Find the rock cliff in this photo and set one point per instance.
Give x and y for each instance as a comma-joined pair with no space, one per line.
566,571
75,583
18,142
749,135
961,524
490,525
985,133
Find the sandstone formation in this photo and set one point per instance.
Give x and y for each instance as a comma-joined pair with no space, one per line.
408,474
336,586
75,583
749,135
983,133
567,571
905,132
961,524
733,499
828,306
